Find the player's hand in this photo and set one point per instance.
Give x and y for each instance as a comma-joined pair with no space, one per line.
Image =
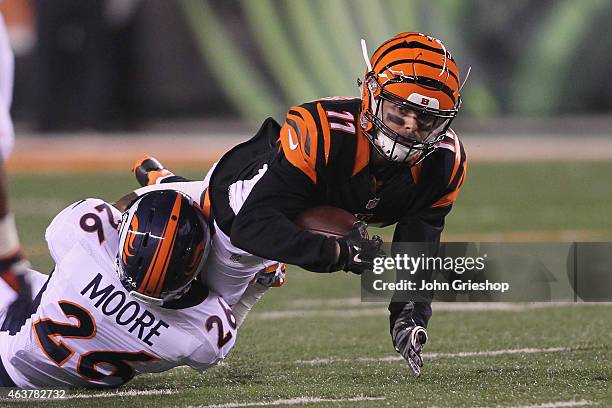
408,339
148,170
13,270
358,251
272,277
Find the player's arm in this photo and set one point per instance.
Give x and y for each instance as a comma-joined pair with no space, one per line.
264,225
409,319
424,228
427,225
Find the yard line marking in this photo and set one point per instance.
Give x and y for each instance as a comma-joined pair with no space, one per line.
462,354
292,401
309,303
286,314
356,301
350,312
556,404
127,393
505,306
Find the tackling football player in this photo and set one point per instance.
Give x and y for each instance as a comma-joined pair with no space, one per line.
124,298
390,157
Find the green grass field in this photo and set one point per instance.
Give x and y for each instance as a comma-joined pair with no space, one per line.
314,339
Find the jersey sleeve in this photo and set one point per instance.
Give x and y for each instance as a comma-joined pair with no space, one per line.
215,337
305,139
86,219
455,170
264,225
204,357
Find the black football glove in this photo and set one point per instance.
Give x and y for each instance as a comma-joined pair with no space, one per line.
409,338
357,250
148,169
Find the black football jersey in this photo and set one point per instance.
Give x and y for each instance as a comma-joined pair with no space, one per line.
319,156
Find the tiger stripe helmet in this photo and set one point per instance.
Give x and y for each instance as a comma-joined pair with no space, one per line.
413,71
163,243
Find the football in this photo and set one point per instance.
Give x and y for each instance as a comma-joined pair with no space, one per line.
325,220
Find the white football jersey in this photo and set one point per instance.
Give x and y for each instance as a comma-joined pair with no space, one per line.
88,331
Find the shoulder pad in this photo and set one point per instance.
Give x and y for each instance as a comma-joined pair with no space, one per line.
92,219
299,138
316,130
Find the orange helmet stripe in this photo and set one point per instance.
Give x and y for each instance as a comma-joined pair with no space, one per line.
420,56
422,66
154,279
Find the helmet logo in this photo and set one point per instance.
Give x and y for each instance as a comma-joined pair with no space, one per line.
128,246
423,100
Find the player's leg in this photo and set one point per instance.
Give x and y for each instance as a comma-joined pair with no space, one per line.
270,277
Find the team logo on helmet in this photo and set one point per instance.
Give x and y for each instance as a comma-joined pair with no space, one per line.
163,245
128,246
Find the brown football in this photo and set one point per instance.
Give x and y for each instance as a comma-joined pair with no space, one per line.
325,220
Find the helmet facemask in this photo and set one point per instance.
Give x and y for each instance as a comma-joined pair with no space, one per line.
409,98
387,122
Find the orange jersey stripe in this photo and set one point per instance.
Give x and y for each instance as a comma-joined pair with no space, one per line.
446,200
300,144
310,137
457,156
416,172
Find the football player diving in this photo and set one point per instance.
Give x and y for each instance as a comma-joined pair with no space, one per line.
389,157
125,297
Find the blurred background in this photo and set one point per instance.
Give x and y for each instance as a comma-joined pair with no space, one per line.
100,83
114,65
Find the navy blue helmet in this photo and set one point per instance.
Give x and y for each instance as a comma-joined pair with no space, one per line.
164,241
